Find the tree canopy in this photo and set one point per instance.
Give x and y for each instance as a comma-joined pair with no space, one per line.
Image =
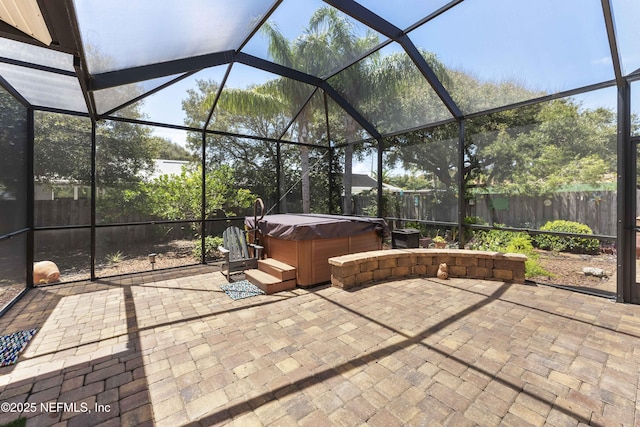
13,144
179,197
533,149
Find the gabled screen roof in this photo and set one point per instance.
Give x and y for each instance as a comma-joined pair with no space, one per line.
120,34
462,57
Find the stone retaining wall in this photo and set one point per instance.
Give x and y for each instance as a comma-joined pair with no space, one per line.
352,270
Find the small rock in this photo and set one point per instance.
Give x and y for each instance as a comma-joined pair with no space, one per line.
594,271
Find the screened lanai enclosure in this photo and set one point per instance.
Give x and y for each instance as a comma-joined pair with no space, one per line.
132,128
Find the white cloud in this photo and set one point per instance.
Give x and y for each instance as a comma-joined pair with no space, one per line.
605,60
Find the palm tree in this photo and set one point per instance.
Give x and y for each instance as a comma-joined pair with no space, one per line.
368,81
277,98
329,39
336,35
253,111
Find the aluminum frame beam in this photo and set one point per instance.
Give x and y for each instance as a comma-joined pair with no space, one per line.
136,74
147,72
613,44
627,289
370,19
283,71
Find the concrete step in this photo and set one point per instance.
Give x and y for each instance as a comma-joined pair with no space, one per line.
277,269
268,283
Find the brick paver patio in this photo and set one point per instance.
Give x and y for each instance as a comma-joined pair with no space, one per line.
171,349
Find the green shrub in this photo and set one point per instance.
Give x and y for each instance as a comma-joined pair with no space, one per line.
211,244
510,241
494,240
520,245
567,244
422,228
115,258
472,220
532,269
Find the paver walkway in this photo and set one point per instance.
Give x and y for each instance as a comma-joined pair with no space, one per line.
161,349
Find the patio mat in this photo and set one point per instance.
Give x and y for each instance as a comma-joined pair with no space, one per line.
241,289
12,345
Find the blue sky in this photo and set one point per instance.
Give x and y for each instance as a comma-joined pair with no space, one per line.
546,45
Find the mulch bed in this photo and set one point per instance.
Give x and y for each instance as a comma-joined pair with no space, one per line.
567,269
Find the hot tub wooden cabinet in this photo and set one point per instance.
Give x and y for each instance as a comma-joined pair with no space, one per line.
306,242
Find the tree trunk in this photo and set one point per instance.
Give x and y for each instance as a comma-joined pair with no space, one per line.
304,167
493,215
306,189
347,179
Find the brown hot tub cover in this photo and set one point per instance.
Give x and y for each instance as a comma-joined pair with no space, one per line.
315,226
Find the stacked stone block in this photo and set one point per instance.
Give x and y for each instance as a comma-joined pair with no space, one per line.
352,270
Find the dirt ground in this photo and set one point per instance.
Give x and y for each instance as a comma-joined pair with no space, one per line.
74,266
565,269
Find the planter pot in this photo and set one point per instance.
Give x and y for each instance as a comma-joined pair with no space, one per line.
425,242
440,245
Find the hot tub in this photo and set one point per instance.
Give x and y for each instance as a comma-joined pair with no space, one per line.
307,241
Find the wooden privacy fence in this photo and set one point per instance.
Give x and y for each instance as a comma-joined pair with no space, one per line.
69,212
597,209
